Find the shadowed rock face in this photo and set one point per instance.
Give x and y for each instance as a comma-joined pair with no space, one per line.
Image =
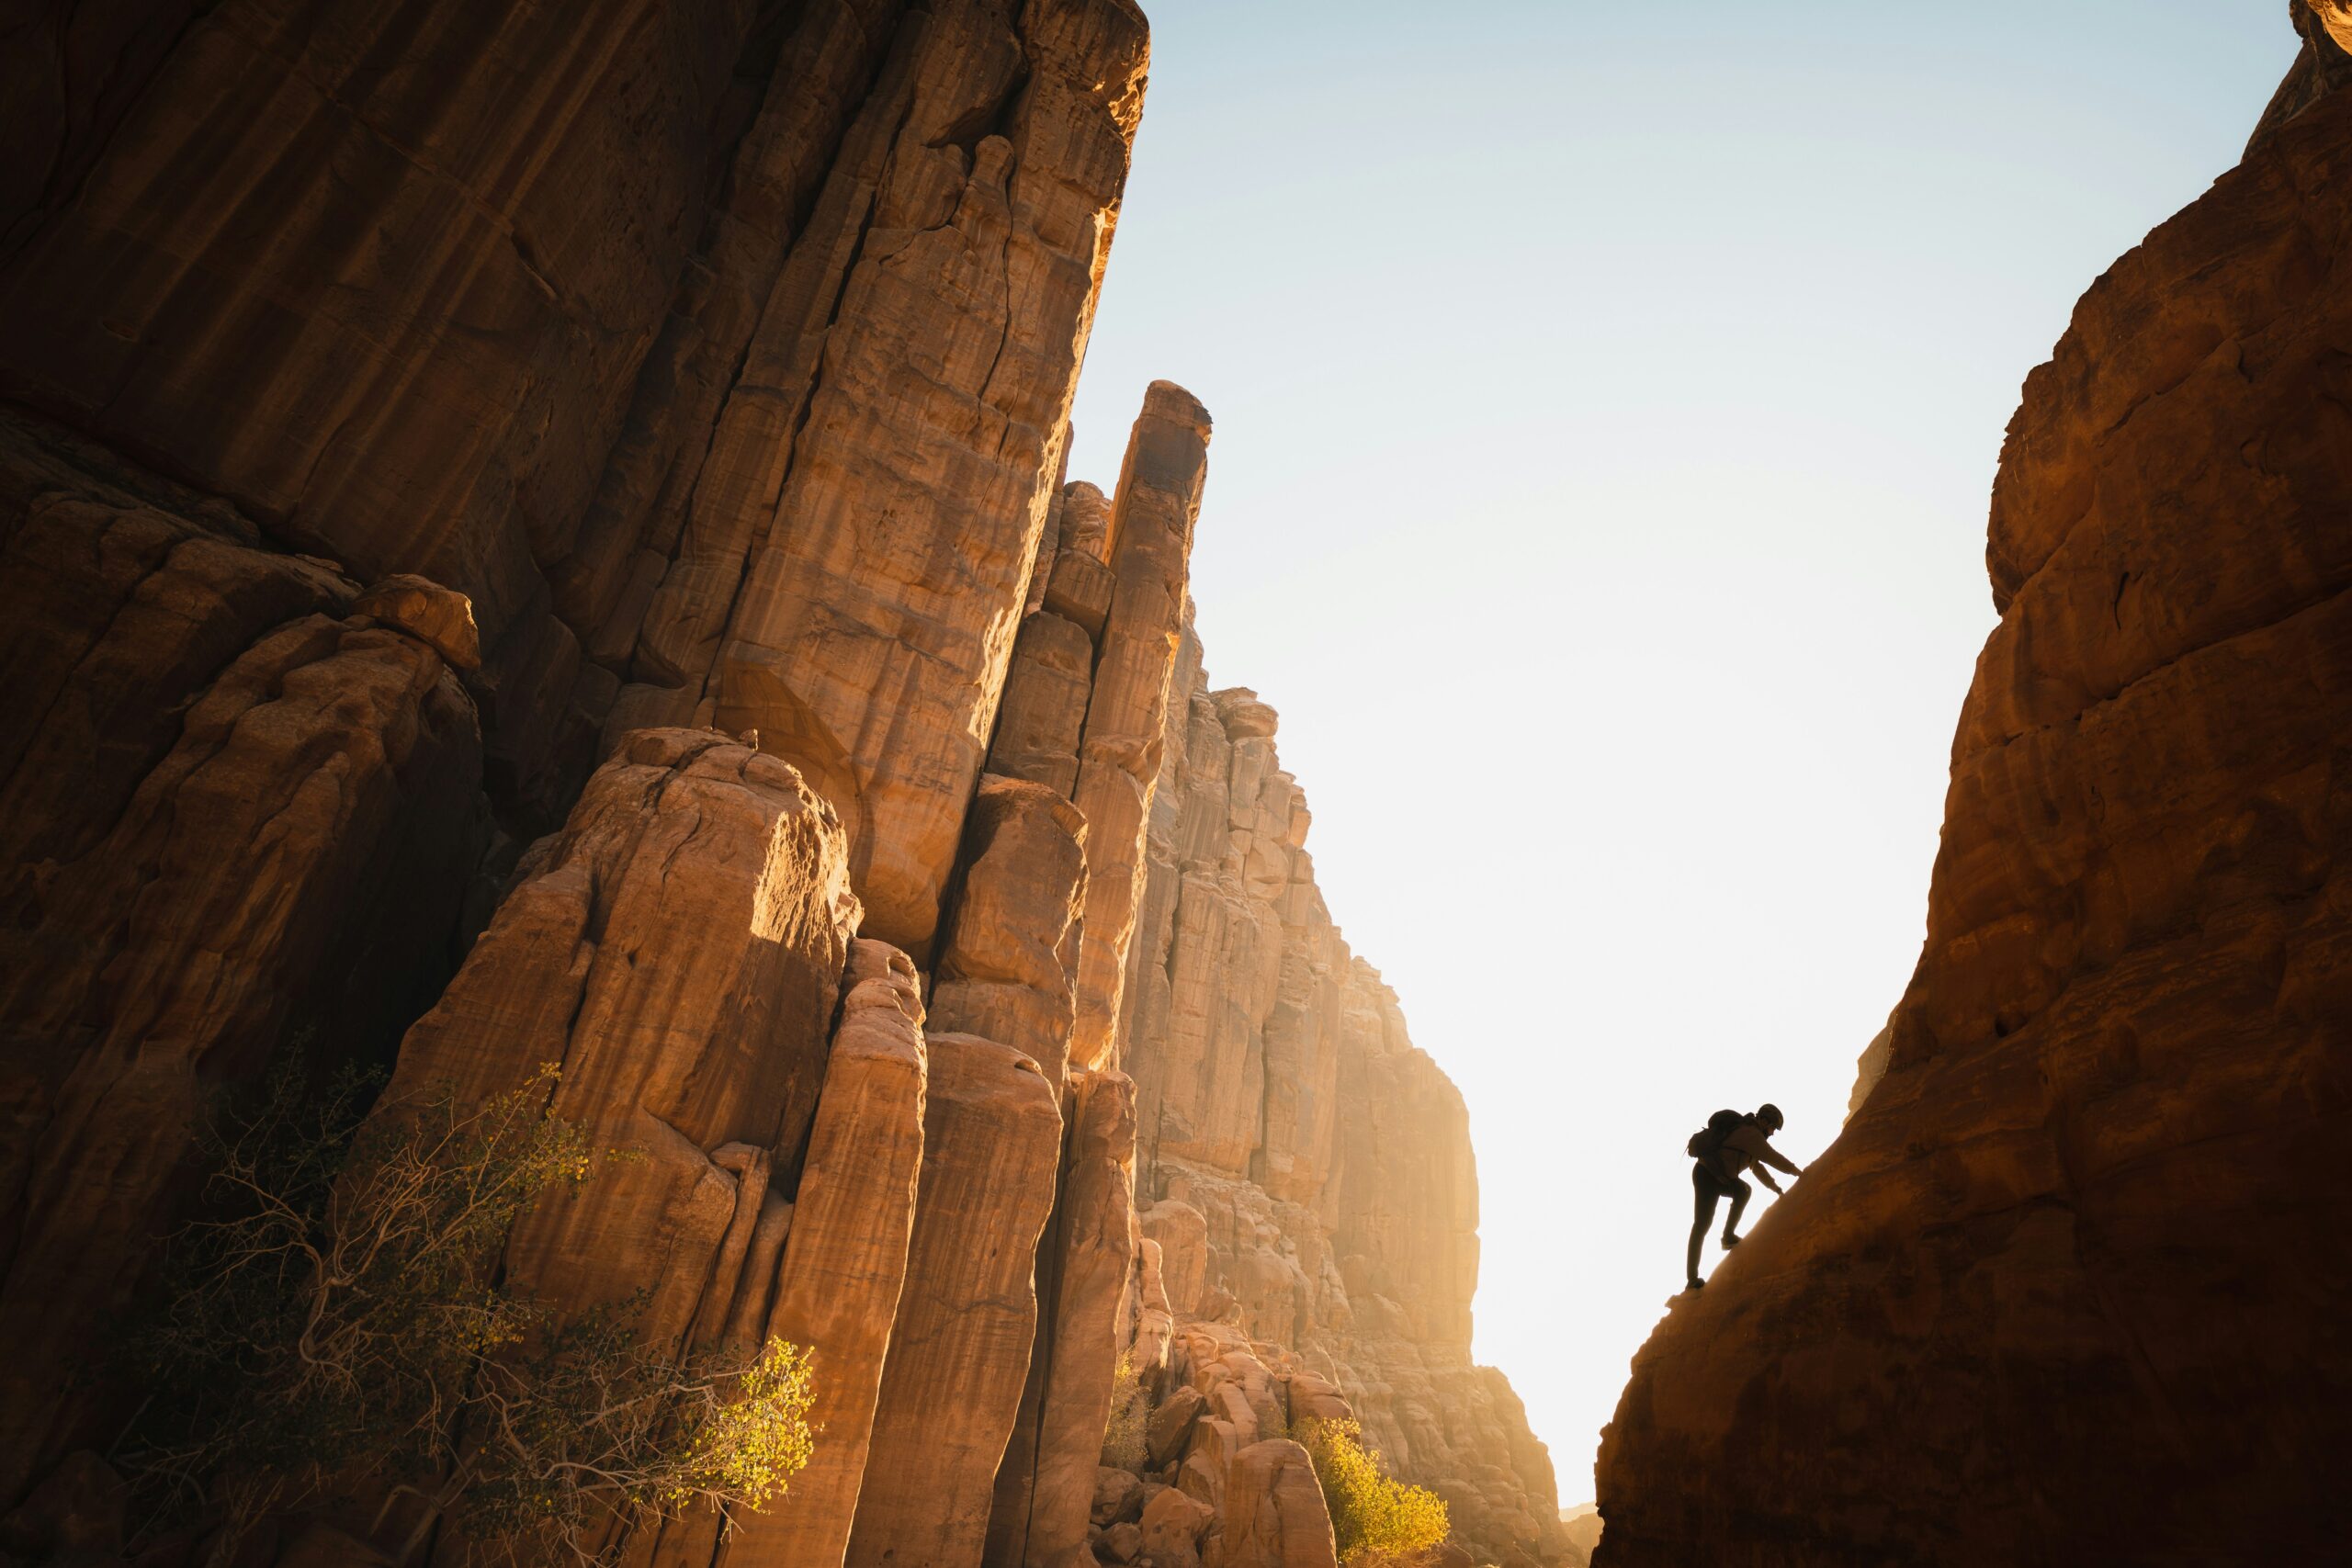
235,804
646,328
2066,1288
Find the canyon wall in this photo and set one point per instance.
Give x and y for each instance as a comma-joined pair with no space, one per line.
538,535
1305,1170
2067,1287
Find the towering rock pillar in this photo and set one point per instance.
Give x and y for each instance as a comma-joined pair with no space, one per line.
959,1351
837,1291
1157,502
1045,1488
872,577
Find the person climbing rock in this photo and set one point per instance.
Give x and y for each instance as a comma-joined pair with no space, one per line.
1728,1144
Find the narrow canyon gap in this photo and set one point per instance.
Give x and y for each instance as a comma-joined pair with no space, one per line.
2068,1287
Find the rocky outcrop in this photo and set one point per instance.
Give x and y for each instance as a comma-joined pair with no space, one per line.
675,952
2058,1293
1304,1173
1008,968
1159,499
235,808
2322,65
540,536
858,605
1274,1515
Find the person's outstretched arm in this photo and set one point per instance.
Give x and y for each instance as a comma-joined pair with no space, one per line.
1768,1155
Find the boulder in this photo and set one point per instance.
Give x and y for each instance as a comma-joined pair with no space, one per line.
1172,1523
1169,1429
1274,1515
1118,1495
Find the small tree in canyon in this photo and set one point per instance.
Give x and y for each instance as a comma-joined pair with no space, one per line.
1377,1521
332,1325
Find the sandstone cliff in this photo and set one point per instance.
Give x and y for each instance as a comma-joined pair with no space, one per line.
538,535
2065,1290
1305,1172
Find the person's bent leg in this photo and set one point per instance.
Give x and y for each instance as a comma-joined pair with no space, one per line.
1702,1213
1739,1196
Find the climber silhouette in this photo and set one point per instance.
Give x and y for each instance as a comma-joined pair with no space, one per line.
1729,1143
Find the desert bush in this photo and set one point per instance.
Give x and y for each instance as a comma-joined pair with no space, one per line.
1377,1520
1122,1438
332,1322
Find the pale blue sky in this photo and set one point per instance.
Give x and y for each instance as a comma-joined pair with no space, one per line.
1607,397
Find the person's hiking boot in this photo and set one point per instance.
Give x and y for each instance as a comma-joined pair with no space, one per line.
1695,1283
1730,1241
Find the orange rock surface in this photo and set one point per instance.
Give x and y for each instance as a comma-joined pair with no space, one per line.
676,951
542,535
959,1352
2066,1289
844,1264
1045,1486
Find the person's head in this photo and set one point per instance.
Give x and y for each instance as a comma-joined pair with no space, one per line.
1768,1117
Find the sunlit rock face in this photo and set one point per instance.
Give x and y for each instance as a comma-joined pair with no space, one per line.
2067,1287
633,331
676,951
658,331
1305,1171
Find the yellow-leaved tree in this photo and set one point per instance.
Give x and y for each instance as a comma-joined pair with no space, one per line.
334,1322
1378,1521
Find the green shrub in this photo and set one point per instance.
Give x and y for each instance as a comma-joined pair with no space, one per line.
332,1322
1376,1520
1122,1438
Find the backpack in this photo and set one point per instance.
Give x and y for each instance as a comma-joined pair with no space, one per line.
1708,1140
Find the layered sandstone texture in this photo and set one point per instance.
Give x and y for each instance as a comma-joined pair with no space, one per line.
1305,1175
236,807
2064,1290
407,407
675,954
718,355
539,536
